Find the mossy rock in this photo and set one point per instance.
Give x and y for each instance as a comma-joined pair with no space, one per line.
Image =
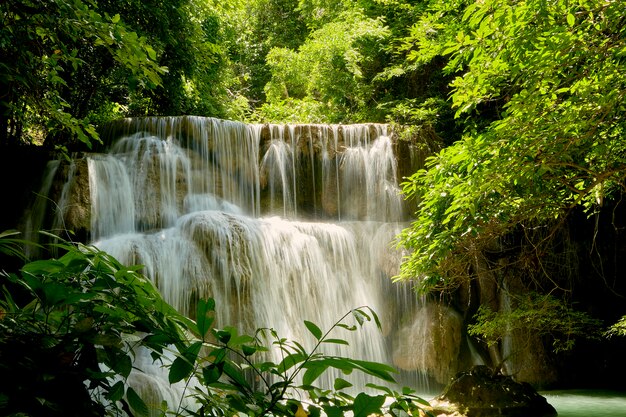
481,392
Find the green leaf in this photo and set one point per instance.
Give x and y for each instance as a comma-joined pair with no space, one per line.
379,370
217,355
183,365
240,340
314,370
336,341
382,388
407,390
571,20
291,360
43,267
333,411
116,392
248,350
236,376
212,373
151,52
364,405
360,316
299,347
376,319
314,411
204,320
315,331
347,327
223,336
119,361
340,384
136,403
54,294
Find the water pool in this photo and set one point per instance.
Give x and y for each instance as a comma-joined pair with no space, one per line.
587,403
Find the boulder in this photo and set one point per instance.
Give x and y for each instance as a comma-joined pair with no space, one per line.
481,392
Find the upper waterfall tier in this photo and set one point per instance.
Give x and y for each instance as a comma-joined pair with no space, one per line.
187,164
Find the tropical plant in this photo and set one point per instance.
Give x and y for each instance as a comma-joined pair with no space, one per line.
237,375
68,332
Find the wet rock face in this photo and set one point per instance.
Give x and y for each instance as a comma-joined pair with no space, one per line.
430,342
482,393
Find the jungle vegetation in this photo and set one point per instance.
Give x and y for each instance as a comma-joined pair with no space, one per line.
526,97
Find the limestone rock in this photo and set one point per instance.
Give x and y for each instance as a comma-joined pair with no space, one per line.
430,342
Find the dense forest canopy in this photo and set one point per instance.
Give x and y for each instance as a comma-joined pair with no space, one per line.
526,96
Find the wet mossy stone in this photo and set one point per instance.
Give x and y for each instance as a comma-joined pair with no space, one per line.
481,392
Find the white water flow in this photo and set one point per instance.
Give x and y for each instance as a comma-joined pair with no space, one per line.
280,229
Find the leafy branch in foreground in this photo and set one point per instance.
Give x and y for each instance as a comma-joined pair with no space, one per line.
618,329
236,375
69,328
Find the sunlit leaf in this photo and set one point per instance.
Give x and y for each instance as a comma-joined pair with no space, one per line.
364,405
336,341
340,384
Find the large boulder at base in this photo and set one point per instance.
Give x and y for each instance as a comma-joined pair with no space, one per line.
480,392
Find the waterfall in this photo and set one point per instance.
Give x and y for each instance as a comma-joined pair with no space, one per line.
277,223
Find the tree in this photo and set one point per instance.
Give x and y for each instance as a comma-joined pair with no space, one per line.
416,87
47,74
71,65
328,73
189,38
550,78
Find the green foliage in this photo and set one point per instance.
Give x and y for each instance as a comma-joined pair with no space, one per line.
330,67
189,38
68,331
542,98
541,315
47,51
230,361
618,329
333,61
69,65
337,61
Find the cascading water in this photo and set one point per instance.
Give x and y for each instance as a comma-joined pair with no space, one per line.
278,224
